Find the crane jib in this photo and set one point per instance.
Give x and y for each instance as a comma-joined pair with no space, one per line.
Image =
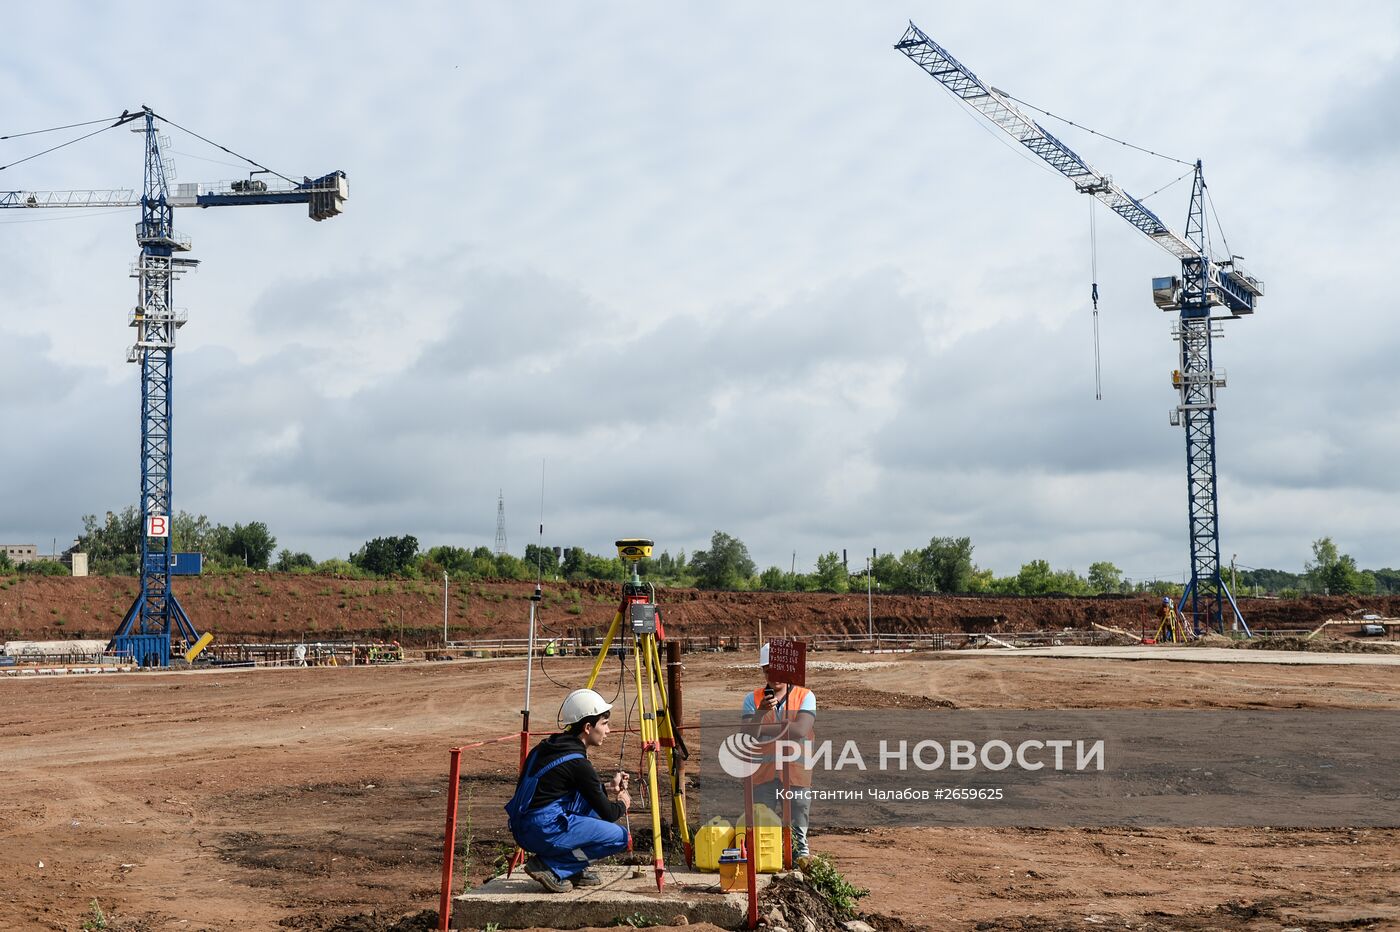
325,196
1229,286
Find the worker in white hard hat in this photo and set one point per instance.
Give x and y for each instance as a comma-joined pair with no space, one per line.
560,812
782,710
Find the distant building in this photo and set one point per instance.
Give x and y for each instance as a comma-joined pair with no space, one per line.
73,558
21,553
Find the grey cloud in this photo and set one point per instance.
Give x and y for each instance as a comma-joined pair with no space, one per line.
73,446
767,279
1362,126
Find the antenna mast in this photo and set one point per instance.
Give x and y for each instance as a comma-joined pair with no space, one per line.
500,523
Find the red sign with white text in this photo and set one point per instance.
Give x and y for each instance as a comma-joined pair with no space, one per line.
787,661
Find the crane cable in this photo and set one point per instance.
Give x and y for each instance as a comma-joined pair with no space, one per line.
1094,294
1164,187
1068,122
216,145
54,129
61,145
1219,229
121,120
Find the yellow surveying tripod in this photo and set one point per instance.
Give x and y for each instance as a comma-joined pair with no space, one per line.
638,611
1171,627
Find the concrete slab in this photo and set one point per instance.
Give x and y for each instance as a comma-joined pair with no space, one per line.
1187,654
521,903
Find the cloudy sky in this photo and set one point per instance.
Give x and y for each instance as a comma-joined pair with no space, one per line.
727,266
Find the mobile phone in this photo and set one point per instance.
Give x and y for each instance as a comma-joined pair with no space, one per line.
768,691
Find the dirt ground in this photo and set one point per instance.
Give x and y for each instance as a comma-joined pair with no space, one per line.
266,799
282,606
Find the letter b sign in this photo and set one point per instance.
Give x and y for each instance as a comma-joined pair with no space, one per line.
157,526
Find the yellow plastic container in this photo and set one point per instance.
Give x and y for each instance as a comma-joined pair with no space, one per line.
767,838
710,841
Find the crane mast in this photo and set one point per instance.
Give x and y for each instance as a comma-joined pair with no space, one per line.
1203,284
156,620
156,613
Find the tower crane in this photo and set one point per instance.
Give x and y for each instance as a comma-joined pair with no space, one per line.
1205,283
156,619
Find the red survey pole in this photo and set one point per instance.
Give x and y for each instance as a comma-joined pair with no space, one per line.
449,840
787,821
518,857
751,850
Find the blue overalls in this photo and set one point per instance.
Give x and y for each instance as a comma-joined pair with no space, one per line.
565,834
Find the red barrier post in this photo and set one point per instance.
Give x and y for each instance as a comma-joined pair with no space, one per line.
449,840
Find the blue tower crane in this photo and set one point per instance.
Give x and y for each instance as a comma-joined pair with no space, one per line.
156,619
1204,283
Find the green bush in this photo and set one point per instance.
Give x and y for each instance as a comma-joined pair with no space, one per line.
97,920
342,569
827,881
289,562
44,568
123,564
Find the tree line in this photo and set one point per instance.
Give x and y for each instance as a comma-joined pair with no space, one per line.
944,565
113,544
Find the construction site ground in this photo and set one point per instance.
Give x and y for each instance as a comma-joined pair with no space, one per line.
314,798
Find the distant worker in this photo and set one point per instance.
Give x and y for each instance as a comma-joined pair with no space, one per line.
560,812
782,710
1170,629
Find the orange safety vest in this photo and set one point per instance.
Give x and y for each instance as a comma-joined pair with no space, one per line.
797,772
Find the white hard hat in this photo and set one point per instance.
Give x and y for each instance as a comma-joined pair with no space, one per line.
581,704
763,656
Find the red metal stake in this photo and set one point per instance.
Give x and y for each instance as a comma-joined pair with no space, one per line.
449,840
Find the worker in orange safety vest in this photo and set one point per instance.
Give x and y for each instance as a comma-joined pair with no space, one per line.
781,710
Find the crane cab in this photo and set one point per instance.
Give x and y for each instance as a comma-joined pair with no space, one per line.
1166,293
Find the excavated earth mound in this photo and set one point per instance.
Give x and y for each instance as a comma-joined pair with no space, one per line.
278,606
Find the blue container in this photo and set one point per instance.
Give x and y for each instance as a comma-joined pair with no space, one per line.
148,650
186,564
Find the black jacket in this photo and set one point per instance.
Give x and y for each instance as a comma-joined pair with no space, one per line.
563,780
